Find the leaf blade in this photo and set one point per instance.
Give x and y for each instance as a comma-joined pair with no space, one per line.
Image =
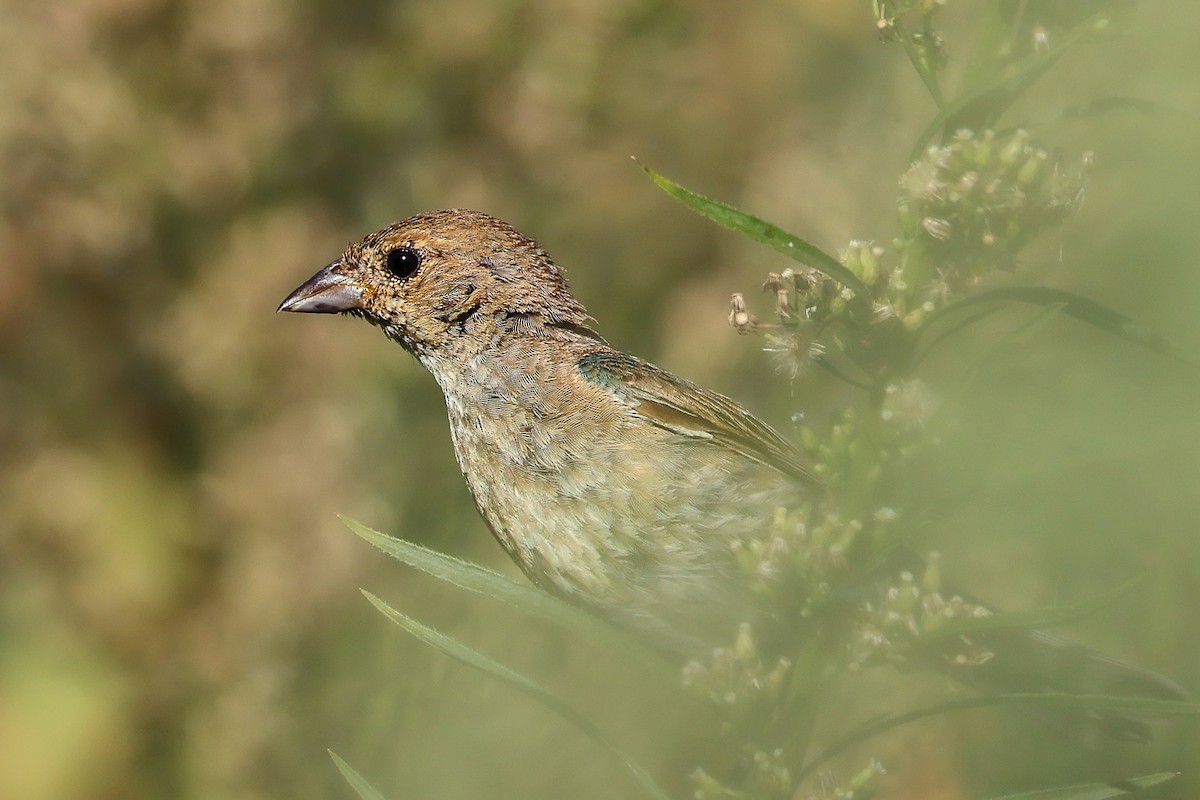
480,580
1094,791
1010,80
365,790
494,669
760,231
1084,702
1073,305
1100,106
1030,620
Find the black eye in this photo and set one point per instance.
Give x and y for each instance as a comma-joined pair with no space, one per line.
403,261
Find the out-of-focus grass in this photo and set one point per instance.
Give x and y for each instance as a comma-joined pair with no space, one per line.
178,614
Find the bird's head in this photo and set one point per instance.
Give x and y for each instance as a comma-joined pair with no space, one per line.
444,278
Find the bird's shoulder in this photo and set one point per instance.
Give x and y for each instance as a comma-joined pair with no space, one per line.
668,401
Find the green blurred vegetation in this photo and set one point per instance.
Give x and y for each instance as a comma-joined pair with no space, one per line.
178,606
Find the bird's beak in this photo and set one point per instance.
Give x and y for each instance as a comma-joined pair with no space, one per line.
327,292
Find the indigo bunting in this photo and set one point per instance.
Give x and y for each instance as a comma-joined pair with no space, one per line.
612,483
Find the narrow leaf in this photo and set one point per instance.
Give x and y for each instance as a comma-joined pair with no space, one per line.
1104,105
828,366
1123,706
1029,620
1072,305
523,597
946,333
761,231
365,790
1111,704
1010,80
992,38
1094,791
1028,330
472,658
926,71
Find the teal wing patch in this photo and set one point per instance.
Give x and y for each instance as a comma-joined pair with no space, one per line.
690,410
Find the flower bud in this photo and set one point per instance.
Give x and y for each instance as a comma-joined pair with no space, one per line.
913,319
1030,169
744,648
1016,147
937,228
739,317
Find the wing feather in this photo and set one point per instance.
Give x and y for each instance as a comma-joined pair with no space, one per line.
671,402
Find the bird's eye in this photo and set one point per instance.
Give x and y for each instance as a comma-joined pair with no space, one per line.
403,261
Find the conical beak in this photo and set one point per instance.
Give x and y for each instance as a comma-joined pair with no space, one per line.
327,292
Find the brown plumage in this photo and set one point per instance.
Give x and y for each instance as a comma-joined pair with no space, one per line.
611,482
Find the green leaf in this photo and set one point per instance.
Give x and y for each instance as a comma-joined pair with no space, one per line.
947,332
523,597
993,37
1120,706
827,365
761,231
1094,791
1100,106
1002,86
365,790
1110,704
1029,620
1072,305
472,658
917,57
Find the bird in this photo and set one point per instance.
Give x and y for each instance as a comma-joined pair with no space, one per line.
612,483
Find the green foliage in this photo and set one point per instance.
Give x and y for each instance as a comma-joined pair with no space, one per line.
525,598
173,582
971,202
1095,791
1098,703
760,231
365,790
488,666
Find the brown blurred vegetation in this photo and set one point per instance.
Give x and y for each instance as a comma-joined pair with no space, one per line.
178,606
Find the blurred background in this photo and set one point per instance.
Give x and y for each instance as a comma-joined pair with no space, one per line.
179,614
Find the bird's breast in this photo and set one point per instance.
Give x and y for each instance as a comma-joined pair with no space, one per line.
604,508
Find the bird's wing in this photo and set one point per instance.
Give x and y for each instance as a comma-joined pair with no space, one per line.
683,407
